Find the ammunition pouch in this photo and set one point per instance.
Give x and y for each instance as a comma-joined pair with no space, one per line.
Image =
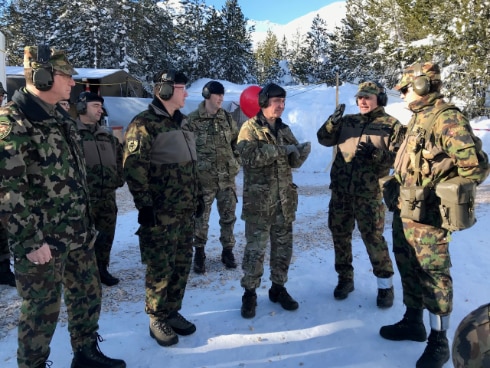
457,205
413,202
391,191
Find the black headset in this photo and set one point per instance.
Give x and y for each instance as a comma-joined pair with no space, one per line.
167,81
205,90
42,75
421,82
264,96
82,103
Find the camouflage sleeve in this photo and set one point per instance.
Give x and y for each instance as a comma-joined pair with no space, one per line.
256,152
22,221
459,143
386,158
234,135
136,162
119,163
328,133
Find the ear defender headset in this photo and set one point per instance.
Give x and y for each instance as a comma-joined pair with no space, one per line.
382,96
82,103
205,90
264,96
167,81
42,75
421,83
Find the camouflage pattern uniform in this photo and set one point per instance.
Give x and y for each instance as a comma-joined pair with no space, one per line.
270,198
44,198
471,343
356,195
422,249
218,164
103,155
160,169
4,245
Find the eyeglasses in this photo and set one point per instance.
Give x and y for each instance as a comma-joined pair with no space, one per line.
178,86
61,74
404,90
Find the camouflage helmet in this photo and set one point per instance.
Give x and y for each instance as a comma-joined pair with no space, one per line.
369,88
428,69
56,59
471,343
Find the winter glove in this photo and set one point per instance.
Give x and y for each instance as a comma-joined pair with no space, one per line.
146,216
366,150
337,114
200,206
304,148
291,149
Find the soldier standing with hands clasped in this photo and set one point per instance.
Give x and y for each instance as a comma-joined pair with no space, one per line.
45,203
269,151
160,167
218,163
366,147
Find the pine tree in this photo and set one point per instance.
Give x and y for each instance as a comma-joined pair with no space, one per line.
268,56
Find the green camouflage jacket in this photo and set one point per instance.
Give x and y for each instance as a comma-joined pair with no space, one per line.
216,139
356,175
43,192
451,149
160,161
103,156
267,173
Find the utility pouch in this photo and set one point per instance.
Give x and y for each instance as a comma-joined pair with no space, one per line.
457,206
391,191
413,202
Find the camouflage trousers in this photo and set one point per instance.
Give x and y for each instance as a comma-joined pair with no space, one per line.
343,212
104,212
4,244
166,249
423,260
226,201
41,286
258,233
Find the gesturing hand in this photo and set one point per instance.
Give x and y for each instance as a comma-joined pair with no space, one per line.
337,114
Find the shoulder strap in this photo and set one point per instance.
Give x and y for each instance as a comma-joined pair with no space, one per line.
426,130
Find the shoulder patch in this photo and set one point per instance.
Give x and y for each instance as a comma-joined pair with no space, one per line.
132,145
5,127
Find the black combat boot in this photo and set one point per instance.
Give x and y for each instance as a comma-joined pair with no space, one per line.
92,357
180,325
385,298
278,293
436,352
6,275
199,258
343,288
411,327
105,277
249,302
228,258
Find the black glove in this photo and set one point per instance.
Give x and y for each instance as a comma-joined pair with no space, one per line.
365,150
200,206
146,216
337,114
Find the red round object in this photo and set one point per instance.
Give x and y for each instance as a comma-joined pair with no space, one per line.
249,101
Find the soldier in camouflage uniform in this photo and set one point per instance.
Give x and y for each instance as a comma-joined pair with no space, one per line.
44,202
218,164
448,149
6,275
366,145
269,151
103,156
471,343
160,168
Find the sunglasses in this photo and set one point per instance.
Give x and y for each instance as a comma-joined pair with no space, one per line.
404,90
